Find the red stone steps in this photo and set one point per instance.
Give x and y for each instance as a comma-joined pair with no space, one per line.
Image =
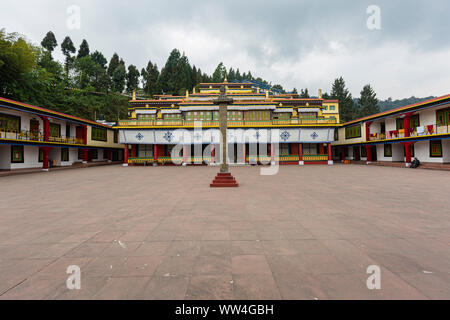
224,180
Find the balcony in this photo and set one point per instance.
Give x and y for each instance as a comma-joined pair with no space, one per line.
36,137
215,123
427,130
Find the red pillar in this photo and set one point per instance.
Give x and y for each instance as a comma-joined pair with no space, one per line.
342,154
407,146
244,151
368,123
109,155
85,134
368,153
125,155
133,151
85,155
213,153
272,154
407,122
300,154
155,154
45,159
46,128
185,155
329,152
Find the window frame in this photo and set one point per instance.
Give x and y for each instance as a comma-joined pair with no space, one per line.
436,142
388,150
95,136
22,151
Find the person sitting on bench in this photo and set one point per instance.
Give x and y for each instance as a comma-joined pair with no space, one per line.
415,163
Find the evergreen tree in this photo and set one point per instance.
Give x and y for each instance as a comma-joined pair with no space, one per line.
113,64
150,77
67,49
132,78
346,104
295,91
84,49
238,75
368,102
304,94
119,78
49,42
219,74
170,75
99,58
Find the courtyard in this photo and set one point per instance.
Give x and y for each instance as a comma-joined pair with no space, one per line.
307,232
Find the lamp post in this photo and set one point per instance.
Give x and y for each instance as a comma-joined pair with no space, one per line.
224,177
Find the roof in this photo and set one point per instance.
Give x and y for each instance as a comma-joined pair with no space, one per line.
400,109
49,112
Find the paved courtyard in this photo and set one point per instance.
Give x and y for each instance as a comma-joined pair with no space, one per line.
161,233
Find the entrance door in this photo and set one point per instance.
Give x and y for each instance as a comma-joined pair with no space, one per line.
373,151
79,133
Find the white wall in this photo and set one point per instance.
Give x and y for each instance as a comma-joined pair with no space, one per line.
5,157
30,158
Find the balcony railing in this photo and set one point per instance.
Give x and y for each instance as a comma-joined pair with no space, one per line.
231,123
426,130
36,136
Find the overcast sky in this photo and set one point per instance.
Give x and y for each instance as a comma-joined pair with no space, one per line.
302,44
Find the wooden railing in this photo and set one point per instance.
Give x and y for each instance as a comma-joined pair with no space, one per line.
36,136
231,123
425,130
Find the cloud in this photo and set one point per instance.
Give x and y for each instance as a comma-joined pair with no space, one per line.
294,43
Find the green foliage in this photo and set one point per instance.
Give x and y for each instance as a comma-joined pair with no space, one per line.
113,64
304,94
150,77
67,49
219,74
368,102
119,78
49,42
346,104
132,78
84,49
99,58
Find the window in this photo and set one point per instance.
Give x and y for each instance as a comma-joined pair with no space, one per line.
41,155
146,117
17,154
363,152
116,136
64,154
68,131
443,117
9,122
54,130
383,127
94,154
435,148
336,134
284,149
99,134
80,154
353,132
257,115
388,150
332,108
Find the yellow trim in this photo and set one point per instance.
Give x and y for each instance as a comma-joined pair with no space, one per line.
393,140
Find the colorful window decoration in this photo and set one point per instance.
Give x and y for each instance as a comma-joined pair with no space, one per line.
172,116
146,117
257,115
17,154
64,154
443,117
99,134
388,150
436,148
353,132
54,130
9,122
198,116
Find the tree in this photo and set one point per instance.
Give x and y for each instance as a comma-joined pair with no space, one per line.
346,104
219,74
18,59
67,49
304,94
85,69
99,58
132,78
150,77
118,78
49,42
295,91
113,64
169,74
84,49
368,102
